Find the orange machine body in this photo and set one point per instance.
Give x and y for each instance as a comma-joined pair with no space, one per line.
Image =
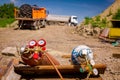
39,13
35,19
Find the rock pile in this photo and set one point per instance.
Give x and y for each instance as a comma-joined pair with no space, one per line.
88,30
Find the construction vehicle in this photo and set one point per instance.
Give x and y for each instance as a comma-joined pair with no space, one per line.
111,34
30,16
36,17
62,20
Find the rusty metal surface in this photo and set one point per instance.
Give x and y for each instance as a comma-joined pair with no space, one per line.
116,55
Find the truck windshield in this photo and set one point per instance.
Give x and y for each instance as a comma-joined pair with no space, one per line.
75,18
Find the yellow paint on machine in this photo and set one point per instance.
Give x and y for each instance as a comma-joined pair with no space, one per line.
114,33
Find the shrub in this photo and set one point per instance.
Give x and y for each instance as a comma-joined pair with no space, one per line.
96,22
117,15
87,20
5,21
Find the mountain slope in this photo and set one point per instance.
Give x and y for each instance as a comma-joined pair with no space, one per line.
93,26
111,10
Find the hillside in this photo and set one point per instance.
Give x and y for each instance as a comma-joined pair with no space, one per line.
111,10
93,26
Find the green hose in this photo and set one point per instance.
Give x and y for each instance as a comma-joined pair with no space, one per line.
90,67
82,70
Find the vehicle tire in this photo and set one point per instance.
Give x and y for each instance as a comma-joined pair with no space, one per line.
34,28
61,23
43,24
51,23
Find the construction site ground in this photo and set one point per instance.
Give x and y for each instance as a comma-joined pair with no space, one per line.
61,40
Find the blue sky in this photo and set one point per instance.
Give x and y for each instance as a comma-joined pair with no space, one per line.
80,8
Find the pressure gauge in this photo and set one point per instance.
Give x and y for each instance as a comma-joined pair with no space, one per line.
41,42
32,43
92,62
95,71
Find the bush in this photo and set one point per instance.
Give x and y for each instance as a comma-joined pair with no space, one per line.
117,15
96,22
5,21
87,20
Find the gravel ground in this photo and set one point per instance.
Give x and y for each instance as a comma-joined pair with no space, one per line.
63,39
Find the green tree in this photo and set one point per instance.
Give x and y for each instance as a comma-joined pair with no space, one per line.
7,10
6,14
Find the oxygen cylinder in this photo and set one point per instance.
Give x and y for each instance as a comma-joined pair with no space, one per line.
81,51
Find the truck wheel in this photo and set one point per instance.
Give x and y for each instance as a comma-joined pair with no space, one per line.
51,23
38,25
20,24
61,23
35,25
34,28
43,24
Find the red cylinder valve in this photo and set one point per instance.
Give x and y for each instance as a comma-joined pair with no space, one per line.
43,48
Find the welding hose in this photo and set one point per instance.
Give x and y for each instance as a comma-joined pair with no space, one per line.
54,66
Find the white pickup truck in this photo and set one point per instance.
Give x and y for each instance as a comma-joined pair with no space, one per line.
62,20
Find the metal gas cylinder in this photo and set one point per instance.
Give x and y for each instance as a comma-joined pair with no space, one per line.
82,51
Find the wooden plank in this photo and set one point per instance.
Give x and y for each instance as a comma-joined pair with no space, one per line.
69,56
11,75
9,51
99,78
66,56
49,69
116,55
106,39
105,33
7,69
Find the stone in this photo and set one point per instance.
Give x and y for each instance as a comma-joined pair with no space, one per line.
9,51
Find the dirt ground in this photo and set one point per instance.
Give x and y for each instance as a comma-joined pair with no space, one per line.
63,39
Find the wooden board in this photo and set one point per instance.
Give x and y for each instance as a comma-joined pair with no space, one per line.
10,51
116,55
47,69
7,69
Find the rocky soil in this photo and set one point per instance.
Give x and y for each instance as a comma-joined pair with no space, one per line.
63,39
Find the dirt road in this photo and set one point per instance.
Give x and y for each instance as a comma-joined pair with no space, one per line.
61,38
